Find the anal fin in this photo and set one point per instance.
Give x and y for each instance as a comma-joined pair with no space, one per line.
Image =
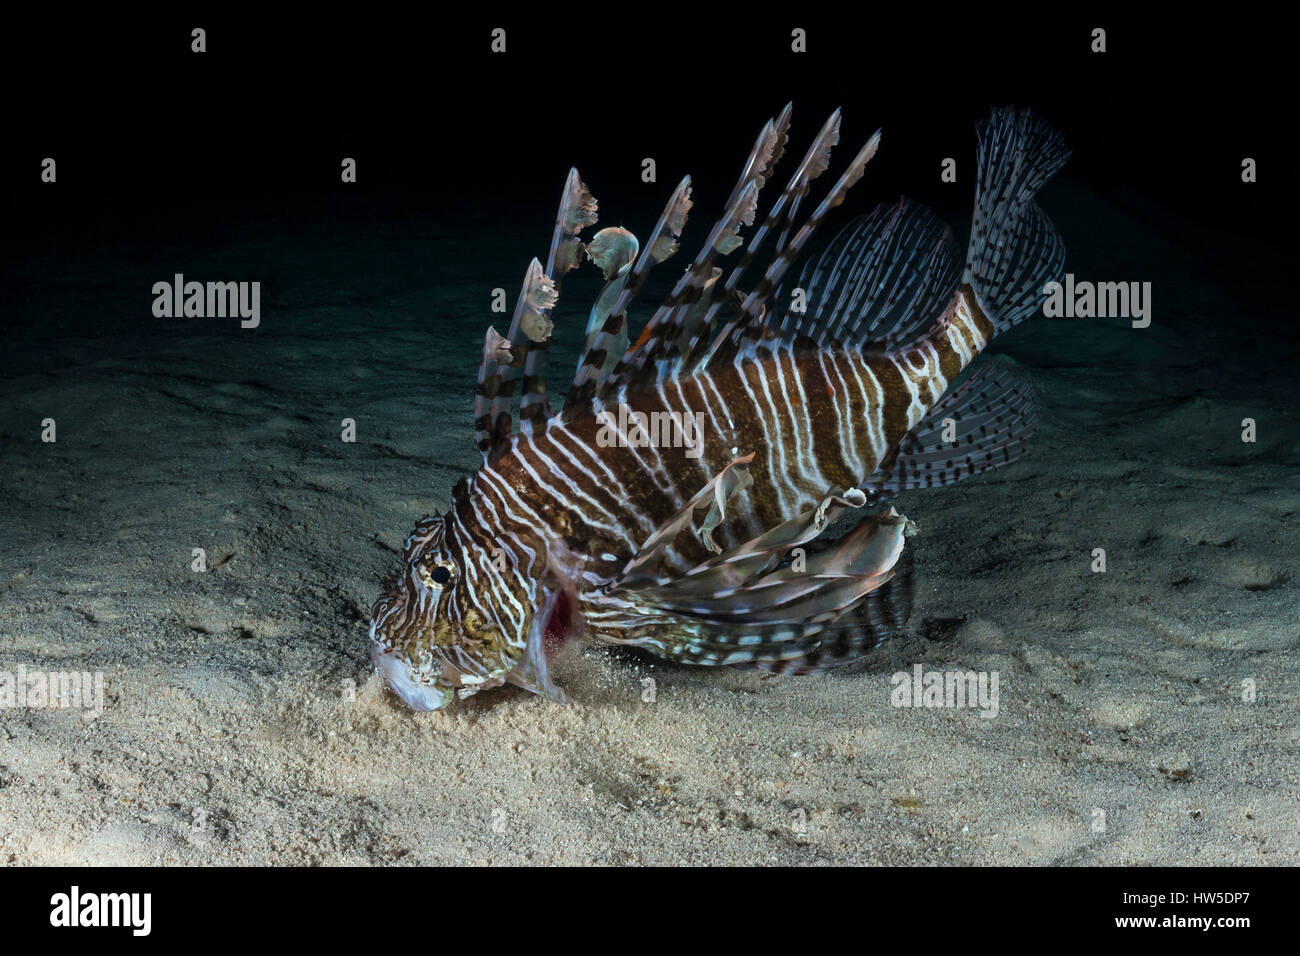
764,601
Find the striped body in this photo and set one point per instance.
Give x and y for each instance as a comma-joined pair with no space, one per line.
816,420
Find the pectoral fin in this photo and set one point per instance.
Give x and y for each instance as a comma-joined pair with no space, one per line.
769,598
533,672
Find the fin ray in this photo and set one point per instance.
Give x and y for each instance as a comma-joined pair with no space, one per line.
993,415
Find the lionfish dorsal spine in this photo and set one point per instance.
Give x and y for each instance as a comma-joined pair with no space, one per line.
606,338
815,162
799,182
663,328
752,315
752,312
753,309
790,253
496,386
578,209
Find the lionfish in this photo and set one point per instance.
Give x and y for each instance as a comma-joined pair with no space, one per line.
822,399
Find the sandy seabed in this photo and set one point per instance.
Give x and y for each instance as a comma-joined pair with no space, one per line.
228,735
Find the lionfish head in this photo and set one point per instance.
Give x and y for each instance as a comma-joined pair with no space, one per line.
428,638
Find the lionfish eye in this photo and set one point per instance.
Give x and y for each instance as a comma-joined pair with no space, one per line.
440,574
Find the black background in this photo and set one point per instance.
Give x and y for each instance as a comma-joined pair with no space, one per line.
999,908
152,139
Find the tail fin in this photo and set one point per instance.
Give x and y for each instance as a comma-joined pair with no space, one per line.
1014,251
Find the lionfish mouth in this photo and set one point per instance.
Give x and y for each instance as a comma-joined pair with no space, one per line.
396,673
